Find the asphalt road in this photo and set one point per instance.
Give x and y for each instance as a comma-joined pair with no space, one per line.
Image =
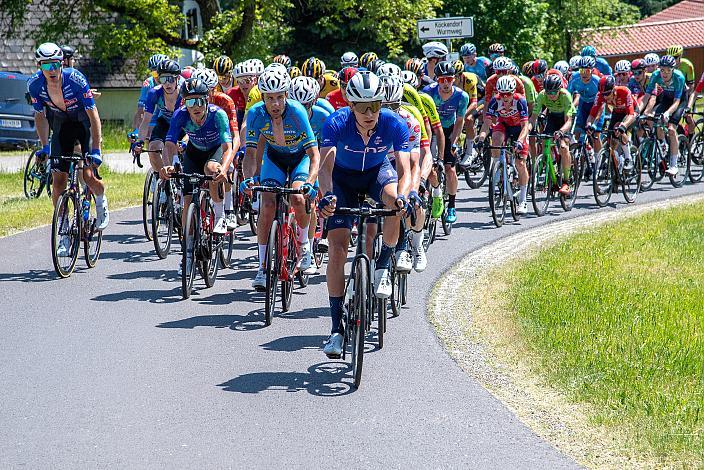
110,368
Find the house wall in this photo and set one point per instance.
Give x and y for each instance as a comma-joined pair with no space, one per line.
118,104
696,55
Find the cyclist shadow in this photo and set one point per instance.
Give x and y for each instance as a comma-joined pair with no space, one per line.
326,379
158,296
33,275
296,343
129,256
233,322
125,239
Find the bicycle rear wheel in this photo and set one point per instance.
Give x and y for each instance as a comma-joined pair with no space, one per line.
272,272
567,202
210,247
682,162
35,176
65,234
631,178
162,219
696,153
227,246
92,239
647,157
287,282
188,261
147,198
358,315
476,173
497,204
603,178
540,190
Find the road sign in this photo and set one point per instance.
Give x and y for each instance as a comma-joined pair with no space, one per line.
446,28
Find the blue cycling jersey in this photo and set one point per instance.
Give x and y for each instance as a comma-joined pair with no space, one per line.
149,83
298,134
452,108
603,66
586,91
325,104
214,131
76,91
156,103
317,120
479,68
340,131
673,90
635,87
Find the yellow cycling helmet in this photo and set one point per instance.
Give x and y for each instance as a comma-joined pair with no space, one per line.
459,66
675,51
294,72
223,65
283,60
367,58
527,68
416,67
313,67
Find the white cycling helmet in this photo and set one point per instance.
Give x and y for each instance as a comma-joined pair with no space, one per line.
207,76
574,62
244,69
502,63
562,66
364,87
651,59
274,81
393,88
389,69
506,84
411,78
434,50
274,66
622,66
257,65
48,51
305,90
349,59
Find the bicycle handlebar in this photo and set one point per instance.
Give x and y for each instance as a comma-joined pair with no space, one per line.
366,211
194,176
75,157
276,189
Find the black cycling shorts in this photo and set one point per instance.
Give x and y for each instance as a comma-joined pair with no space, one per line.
65,135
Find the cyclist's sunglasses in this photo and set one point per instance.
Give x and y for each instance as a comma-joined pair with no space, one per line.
446,80
621,74
192,102
666,69
167,79
552,92
374,106
637,72
50,66
505,95
245,80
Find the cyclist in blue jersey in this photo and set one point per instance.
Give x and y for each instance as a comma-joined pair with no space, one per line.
160,105
66,95
671,102
451,103
305,90
584,87
290,155
209,149
149,83
600,63
474,64
356,140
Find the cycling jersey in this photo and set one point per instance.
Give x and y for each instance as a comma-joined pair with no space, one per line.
253,98
687,69
674,90
562,105
225,89
468,83
412,97
700,85
414,137
430,109
235,93
325,104
340,131
317,120
620,101
479,68
531,93
450,109
423,140
224,102
156,103
298,134
490,87
330,83
214,131
336,100
149,83
603,66
511,115
586,91
77,95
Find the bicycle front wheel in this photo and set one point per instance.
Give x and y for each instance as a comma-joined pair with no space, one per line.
696,154
147,197
272,272
92,239
162,219
188,261
497,202
65,234
210,246
682,162
287,281
631,178
540,190
647,157
358,316
603,178
35,176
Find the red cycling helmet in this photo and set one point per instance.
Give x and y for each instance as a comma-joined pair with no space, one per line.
347,73
606,84
638,64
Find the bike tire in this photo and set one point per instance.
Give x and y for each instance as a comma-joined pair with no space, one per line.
228,247
678,180
70,225
497,202
360,307
603,178
252,218
291,261
272,273
210,248
631,179
32,178
647,156
696,154
92,239
162,220
146,204
540,187
476,174
567,202
188,273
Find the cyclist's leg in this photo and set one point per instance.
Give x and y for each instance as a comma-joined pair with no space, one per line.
61,144
384,189
193,161
212,167
450,170
298,176
271,175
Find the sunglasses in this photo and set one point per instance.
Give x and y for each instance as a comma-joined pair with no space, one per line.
166,79
666,69
374,106
552,92
192,102
505,95
637,72
50,66
245,80
621,74
446,79
224,77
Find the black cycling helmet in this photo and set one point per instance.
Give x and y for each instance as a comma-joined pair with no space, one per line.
168,67
552,82
607,84
194,86
668,61
444,69
68,51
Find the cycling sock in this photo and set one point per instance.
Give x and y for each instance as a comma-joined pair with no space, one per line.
218,209
470,146
303,235
336,313
673,159
437,191
384,257
626,150
522,195
100,200
416,238
262,256
402,244
451,201
228,201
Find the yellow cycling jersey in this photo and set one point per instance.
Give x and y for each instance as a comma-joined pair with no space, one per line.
430,109
330,83
410,96
468,83
253,98
424,141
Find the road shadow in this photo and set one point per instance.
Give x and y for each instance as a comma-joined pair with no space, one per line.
33,275
125,239
152,296
326,379
296,343
234,322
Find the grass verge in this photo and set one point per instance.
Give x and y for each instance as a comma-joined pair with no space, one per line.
614,319
18,213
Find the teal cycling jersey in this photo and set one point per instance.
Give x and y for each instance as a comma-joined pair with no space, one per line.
214,131
450,109
673,90
325,104
298,133
317,119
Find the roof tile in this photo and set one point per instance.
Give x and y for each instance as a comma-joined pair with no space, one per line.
678,11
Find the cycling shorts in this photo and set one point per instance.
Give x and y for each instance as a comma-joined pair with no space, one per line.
664,103
348,184
194,161
554,123
277,168
448,157
583,111
511,133
160,129
63,139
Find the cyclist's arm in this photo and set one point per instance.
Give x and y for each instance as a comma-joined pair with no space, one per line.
144,126
170,149
645,103
403,168
138,117
314,155
227,156
96,129
42,125
327,163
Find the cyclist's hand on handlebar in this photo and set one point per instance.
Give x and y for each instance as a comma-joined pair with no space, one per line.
133,135
309,191
479,145
328,204
181,144
518,145
44,151
245,186
221,175
403,204
96,157
165,172
414,199
558,135
136,147
665,117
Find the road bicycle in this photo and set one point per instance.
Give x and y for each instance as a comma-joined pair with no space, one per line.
695,168
612,170
503,184
244,210
74,221
167,211
283,251
547,177
655,155
37,176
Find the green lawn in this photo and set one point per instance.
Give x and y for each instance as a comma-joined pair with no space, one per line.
18,213
616,316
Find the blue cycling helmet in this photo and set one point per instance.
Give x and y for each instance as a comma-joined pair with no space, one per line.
587,62
589,51
468,49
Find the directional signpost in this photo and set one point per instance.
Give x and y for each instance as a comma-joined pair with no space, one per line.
446,28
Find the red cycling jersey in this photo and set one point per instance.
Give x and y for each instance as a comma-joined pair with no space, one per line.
620,101
226,104
336,100
490,87
700,85
238,97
